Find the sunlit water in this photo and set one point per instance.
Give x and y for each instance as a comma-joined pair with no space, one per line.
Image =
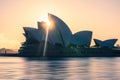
16,68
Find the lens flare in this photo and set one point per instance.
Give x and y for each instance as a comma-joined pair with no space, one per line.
48,23
45,19
46,36
45,44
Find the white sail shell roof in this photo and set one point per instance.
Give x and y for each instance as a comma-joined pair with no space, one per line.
106,43
53,36
82,38
33,33
60,32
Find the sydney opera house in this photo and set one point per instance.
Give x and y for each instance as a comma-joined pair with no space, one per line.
57,39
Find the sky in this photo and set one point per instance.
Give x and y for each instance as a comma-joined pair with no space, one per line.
100,16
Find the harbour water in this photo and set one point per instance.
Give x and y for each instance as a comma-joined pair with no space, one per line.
88,68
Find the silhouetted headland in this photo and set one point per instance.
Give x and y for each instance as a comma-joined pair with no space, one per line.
10,54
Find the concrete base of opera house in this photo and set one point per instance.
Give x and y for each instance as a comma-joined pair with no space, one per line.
81,52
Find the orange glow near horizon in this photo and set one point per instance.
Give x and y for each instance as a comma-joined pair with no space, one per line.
100,16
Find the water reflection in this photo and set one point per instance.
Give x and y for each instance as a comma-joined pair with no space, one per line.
103,69
59,68
11,68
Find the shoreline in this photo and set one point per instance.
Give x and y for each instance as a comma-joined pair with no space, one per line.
10,54
75,55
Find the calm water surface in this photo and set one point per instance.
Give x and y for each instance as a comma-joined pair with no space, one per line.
16,68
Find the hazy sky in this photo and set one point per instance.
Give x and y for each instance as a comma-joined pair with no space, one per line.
100,16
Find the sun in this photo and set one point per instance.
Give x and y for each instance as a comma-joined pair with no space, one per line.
45,19
48,23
